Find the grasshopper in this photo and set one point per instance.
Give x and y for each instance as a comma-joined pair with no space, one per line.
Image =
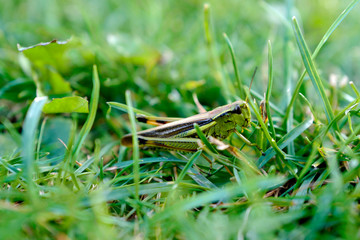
180,135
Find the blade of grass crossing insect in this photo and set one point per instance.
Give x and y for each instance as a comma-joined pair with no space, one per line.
312,72
264,128
204,139
237,76
135,145
187,166
324,39
28,143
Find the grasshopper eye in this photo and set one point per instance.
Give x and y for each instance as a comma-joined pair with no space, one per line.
237,109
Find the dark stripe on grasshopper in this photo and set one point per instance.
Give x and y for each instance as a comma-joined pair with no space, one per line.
167,131
236,110
141,118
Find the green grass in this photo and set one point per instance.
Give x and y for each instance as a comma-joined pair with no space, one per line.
65,174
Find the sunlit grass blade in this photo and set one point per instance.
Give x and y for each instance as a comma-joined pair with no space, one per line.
311,70
236,71
125,108
268,90
288,58
28,142
355,89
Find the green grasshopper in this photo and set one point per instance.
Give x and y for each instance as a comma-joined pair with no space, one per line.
180,134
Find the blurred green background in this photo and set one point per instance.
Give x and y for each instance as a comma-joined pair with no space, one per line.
158,50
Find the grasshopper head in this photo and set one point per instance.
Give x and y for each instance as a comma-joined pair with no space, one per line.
241,114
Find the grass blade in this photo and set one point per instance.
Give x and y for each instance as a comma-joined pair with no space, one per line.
135,145
214,60
237,76
187,166
265,130
204,139
91,117
268,90
311,70
324,39
125,108
145,161
200,179
283,142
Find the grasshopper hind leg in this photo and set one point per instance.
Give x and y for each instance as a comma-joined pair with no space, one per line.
155,121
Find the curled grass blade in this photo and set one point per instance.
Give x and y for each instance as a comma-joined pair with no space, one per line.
28,142
91,116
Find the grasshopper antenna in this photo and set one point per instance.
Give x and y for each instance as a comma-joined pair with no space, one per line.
252,79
